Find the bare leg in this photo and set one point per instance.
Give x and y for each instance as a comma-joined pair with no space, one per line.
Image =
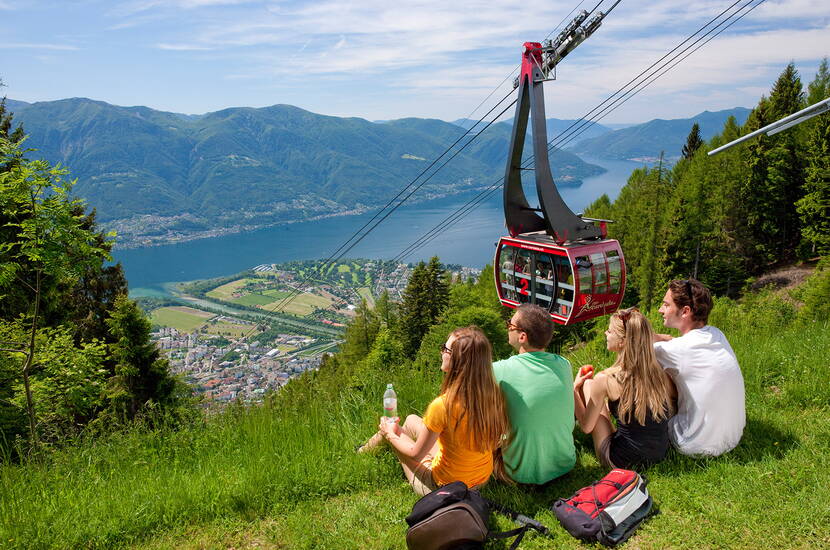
371,444
414,427
602,429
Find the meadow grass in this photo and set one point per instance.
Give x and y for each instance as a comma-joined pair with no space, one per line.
226,291
276,294
254,299
366,293
182,318
285,475
304,304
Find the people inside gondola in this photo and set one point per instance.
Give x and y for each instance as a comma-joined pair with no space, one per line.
509,280
710,387
537,388
462,427
635,391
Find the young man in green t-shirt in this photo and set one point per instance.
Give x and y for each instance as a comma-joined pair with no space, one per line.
538,389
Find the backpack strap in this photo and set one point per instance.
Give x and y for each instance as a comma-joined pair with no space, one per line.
518,532
525,522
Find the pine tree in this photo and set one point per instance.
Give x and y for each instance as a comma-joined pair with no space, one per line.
360,334
819,88
640,212
693,142
142,375
424,299
776,177
414,321
6,116
439,283
814,207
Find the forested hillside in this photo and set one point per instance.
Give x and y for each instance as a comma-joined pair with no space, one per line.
245,167
75,352
728,218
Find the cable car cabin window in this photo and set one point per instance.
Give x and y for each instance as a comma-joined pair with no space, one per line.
523,271
506,277
564,286
614,270
586,275
543,282
600,270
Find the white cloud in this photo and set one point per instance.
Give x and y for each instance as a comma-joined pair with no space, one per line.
183,47
441,58
37,46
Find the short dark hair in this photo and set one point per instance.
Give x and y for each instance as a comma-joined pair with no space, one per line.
692,293
537,324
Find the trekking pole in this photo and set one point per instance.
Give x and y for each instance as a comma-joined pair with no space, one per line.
521,519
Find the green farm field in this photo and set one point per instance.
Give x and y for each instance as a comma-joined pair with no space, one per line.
226,291
302,305
182,318
276,294
254,300
366,293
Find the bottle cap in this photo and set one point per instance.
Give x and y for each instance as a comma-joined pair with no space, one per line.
388,386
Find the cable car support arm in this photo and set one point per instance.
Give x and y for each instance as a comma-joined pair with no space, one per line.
538,65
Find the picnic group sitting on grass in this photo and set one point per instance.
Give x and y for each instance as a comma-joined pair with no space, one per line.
516,416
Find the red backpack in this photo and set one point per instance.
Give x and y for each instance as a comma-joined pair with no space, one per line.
608,511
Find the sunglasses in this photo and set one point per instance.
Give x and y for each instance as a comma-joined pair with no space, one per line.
625,314
510,326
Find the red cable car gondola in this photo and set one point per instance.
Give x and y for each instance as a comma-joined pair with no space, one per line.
556,260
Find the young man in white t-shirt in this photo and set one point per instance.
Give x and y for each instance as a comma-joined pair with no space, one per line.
710,387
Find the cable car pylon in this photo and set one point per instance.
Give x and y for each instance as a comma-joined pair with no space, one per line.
552,258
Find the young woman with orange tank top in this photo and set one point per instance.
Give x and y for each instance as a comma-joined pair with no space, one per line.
455,439
634,390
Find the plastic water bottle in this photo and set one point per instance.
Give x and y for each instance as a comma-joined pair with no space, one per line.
390,404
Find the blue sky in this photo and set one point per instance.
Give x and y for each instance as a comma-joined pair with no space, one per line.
386,59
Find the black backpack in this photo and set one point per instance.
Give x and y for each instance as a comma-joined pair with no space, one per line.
455,517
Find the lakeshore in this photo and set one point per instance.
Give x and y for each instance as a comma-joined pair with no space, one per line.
469,243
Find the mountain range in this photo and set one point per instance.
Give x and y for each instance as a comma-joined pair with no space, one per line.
568,129
157,176
154,175
647,140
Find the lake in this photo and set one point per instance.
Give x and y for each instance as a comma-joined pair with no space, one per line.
469,242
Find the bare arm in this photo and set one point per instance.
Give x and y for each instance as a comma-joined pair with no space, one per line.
584,373
663,337
404,444
593,403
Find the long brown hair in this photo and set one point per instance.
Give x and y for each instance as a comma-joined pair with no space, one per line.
470,389
643,384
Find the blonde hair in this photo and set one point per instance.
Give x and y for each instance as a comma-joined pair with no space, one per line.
643,384
470,389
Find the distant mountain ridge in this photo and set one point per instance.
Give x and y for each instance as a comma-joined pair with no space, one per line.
156,176
647,140
554,127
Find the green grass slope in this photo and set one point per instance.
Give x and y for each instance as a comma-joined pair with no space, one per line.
285,475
